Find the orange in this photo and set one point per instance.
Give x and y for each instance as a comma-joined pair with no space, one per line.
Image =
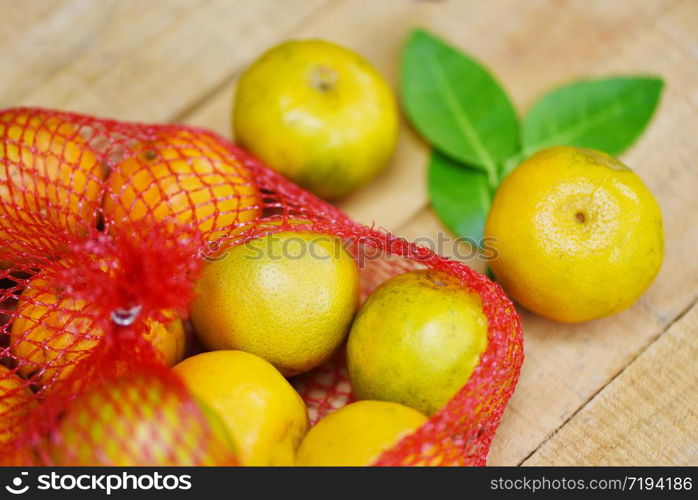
53,331
416,340
182,178
287,297
261,410
15,400
139,420
577,233
318,113
48,174
357,434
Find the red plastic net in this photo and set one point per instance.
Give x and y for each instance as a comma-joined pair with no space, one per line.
103,230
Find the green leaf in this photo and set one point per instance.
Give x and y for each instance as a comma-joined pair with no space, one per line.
606,114
460,195
457,105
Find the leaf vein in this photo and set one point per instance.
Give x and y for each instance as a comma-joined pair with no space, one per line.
464,123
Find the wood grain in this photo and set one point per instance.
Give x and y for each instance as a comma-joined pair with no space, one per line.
566,365
648,415
155,61
37,39
142,60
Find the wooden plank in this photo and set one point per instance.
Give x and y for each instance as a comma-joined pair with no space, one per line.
500,33
141,60
39,38
648,415
567,364
426,229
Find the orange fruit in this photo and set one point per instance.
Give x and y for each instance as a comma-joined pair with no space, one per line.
139,420
286,297
318,113
261,410
53,331
357,434
181,178
48,175
578,235
416,340
15,400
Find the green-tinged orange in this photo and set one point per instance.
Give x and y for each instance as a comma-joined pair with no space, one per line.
416,340
318,113
287,297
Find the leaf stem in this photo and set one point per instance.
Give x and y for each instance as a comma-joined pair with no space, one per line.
492,178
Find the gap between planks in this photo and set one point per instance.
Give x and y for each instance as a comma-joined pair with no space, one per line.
601,389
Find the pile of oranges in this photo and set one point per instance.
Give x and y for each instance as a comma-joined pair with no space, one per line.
271,309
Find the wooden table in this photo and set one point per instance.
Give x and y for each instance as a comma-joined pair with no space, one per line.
622,390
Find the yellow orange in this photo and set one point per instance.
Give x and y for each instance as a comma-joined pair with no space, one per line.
264,414
577,234
287,297
15,400
318,113
357,434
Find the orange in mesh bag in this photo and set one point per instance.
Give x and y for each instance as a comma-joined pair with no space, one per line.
103,229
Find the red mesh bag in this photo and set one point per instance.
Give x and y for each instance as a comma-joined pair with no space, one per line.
103,229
